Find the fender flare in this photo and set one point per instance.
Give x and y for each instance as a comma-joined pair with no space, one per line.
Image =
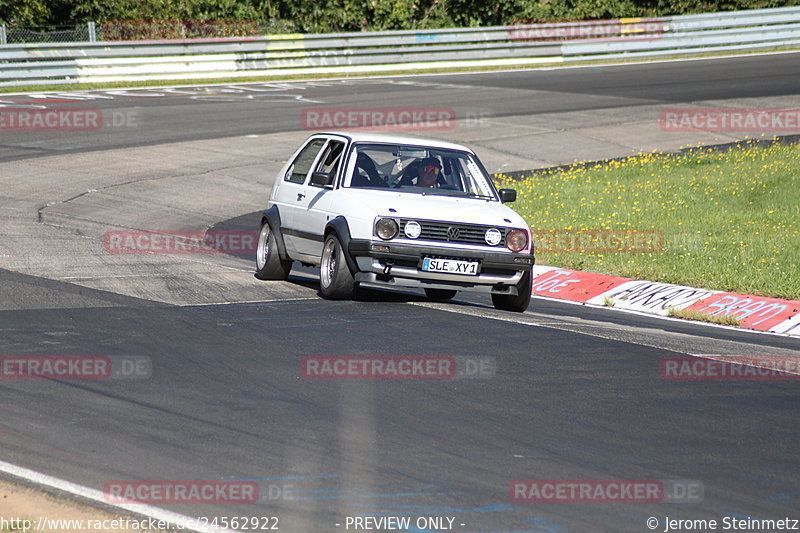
339,226
272,217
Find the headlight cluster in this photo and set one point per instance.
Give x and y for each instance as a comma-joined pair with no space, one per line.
516,240
386,228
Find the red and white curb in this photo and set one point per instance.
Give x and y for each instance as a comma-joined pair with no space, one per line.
759,313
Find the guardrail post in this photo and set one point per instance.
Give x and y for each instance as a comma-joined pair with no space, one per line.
3,39
92,34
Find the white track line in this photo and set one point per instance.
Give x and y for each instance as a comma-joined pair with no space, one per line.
174,519
583,328
236,302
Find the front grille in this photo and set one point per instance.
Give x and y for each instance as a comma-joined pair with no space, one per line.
458,233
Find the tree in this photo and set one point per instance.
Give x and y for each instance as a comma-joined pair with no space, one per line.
24,12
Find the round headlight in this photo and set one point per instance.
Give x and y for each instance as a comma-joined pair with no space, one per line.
493,237
516,240
412,229
386,228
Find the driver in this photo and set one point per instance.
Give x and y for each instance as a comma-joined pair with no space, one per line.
428,173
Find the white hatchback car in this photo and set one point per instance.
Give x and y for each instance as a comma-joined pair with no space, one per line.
395,211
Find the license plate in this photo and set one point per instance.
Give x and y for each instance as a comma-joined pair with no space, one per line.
450,266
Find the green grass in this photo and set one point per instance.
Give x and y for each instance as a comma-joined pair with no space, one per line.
729,220
703,317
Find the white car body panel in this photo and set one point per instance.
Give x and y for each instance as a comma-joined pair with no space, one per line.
370,203
306,210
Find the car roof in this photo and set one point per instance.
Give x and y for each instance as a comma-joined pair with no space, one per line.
399,139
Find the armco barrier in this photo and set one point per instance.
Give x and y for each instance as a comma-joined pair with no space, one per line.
65,63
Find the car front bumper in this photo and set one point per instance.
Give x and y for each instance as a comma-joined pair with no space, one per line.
399,264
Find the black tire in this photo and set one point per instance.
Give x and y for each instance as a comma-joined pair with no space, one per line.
440,294
269,264
335,279
518,303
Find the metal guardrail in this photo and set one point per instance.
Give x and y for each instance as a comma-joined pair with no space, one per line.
56,63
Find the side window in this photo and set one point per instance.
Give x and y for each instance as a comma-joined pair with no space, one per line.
302,163
331,156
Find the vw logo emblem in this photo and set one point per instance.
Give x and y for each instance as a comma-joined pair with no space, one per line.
453,233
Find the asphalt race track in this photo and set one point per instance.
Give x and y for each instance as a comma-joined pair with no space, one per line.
547,100
567,393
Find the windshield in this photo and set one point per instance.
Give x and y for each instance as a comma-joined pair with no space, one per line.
418,170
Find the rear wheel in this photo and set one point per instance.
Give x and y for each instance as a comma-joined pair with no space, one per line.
519,302
269,264
335,279
440,294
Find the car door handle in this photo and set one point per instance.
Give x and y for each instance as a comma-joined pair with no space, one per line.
300,196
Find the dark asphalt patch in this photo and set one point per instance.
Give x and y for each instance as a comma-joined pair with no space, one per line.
227,400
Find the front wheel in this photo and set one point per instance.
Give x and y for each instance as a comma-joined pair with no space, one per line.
519,302
335,279
269,264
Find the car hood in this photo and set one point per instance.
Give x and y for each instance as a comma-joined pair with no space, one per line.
434,207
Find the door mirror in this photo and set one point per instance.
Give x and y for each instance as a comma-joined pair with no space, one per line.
322,179
508,195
